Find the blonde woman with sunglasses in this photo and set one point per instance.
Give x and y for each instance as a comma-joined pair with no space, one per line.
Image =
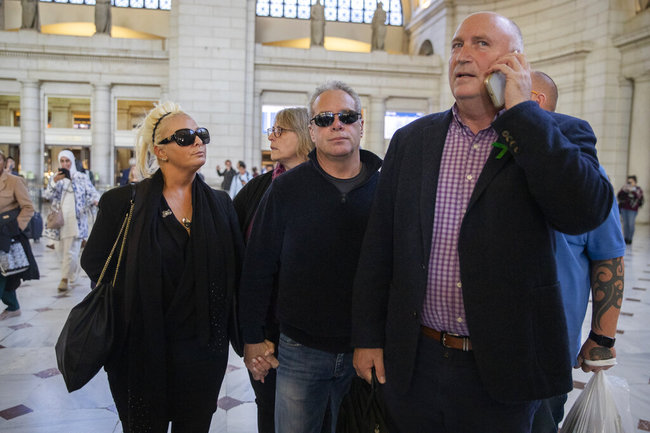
177,282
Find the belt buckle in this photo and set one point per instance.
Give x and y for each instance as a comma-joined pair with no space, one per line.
443,340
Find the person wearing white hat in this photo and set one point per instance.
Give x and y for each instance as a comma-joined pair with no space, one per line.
73,193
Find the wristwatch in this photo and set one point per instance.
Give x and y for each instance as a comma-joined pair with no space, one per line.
602,340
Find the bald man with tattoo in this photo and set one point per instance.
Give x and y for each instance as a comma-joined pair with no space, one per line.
592,260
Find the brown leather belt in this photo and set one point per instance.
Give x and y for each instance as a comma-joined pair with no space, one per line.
452,341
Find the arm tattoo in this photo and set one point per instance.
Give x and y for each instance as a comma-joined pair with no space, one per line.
599,353
607,286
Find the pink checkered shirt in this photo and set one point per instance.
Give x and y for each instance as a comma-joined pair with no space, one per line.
463,158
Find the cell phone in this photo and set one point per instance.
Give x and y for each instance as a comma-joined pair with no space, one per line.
65,172
495,84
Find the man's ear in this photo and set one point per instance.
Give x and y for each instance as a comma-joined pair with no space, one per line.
540,98
311,133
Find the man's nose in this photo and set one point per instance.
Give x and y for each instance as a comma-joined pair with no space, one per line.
337,124
463,54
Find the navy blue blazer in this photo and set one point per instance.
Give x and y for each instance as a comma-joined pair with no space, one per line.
548,179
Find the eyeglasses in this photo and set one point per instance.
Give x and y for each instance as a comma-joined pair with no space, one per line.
534,92
277,131
186,137
326,118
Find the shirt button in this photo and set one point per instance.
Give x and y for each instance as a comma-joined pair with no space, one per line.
459,320
469,177
475,146
459,284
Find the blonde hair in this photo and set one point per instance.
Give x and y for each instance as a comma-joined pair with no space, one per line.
148,134
297,118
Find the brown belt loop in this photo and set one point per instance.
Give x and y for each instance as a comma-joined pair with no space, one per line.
447,339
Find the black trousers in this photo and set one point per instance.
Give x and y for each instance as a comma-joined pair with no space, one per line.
193,383
265,400
446,396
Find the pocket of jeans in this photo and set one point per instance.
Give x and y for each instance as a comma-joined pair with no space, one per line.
288,341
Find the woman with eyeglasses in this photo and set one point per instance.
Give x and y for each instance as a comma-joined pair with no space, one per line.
176,282
290,145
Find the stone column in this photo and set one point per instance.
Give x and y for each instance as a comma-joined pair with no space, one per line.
101,160
31,128
374,126
639,154
208,73
2,14
432,106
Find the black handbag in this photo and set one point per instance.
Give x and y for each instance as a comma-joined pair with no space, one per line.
89,334
362,409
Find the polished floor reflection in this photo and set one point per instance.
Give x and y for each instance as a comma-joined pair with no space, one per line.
33,398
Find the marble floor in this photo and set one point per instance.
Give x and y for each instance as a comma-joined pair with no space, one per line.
33,398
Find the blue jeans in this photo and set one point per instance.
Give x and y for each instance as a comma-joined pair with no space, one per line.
309,381
628,217
8,296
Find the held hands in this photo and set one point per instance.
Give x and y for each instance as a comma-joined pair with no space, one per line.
517,71
59,176
593,352
365,359
259,358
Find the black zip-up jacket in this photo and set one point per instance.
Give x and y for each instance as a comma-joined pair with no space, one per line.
307,236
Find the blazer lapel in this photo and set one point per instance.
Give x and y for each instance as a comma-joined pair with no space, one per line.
433,142
490,169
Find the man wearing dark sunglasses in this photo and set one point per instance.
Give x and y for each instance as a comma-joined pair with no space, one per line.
307,237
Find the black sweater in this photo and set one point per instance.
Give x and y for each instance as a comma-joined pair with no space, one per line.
307,236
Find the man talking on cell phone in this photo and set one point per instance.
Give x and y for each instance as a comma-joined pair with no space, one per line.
456,299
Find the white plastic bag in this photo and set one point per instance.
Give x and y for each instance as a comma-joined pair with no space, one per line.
602,407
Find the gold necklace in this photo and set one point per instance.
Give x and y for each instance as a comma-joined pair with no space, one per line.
186,222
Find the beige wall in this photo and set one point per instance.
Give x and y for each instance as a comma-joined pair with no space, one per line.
598,53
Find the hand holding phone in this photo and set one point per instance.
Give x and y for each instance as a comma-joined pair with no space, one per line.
495,83
63,173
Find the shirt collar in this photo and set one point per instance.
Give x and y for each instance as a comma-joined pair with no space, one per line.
459,121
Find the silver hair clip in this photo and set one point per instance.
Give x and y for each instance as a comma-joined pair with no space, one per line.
166,213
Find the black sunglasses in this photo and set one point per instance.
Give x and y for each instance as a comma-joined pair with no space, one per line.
186,137
327,118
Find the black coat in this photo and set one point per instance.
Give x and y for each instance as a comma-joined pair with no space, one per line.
9,231
247,200
549,179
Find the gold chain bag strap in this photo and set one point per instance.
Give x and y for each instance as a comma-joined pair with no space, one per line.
90,334
123,230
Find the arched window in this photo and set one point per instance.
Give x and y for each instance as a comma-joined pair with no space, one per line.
347,11
137,4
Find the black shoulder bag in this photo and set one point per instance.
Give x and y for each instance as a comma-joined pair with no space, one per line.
89,334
